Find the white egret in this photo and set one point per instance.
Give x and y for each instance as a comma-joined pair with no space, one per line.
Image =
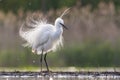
44,37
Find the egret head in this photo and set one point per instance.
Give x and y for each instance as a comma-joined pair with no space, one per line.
60,23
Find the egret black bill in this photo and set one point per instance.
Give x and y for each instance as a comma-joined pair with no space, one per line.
64,26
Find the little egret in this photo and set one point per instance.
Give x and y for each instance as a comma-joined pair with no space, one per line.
43,37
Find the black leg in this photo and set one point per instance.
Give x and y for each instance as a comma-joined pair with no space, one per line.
41,59
46,62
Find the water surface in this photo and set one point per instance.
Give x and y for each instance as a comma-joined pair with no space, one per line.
81,77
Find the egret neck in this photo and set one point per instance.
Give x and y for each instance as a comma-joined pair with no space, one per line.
58,32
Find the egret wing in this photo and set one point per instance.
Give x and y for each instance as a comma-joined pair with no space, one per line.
41,39
37,36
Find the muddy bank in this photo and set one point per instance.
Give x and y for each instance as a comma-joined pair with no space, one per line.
44,73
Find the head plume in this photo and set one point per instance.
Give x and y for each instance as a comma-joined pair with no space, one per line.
64,13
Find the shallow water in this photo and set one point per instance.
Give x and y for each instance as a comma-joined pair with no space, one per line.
81,77
59,75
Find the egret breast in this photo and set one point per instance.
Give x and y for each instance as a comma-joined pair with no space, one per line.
47,47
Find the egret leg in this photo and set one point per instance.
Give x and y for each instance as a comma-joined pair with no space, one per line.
41,59
46,62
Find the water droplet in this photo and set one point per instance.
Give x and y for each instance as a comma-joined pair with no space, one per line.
29,3
33,61
50,78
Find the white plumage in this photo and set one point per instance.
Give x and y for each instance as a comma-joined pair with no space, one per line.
43,37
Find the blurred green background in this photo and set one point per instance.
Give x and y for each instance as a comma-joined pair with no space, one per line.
93,38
